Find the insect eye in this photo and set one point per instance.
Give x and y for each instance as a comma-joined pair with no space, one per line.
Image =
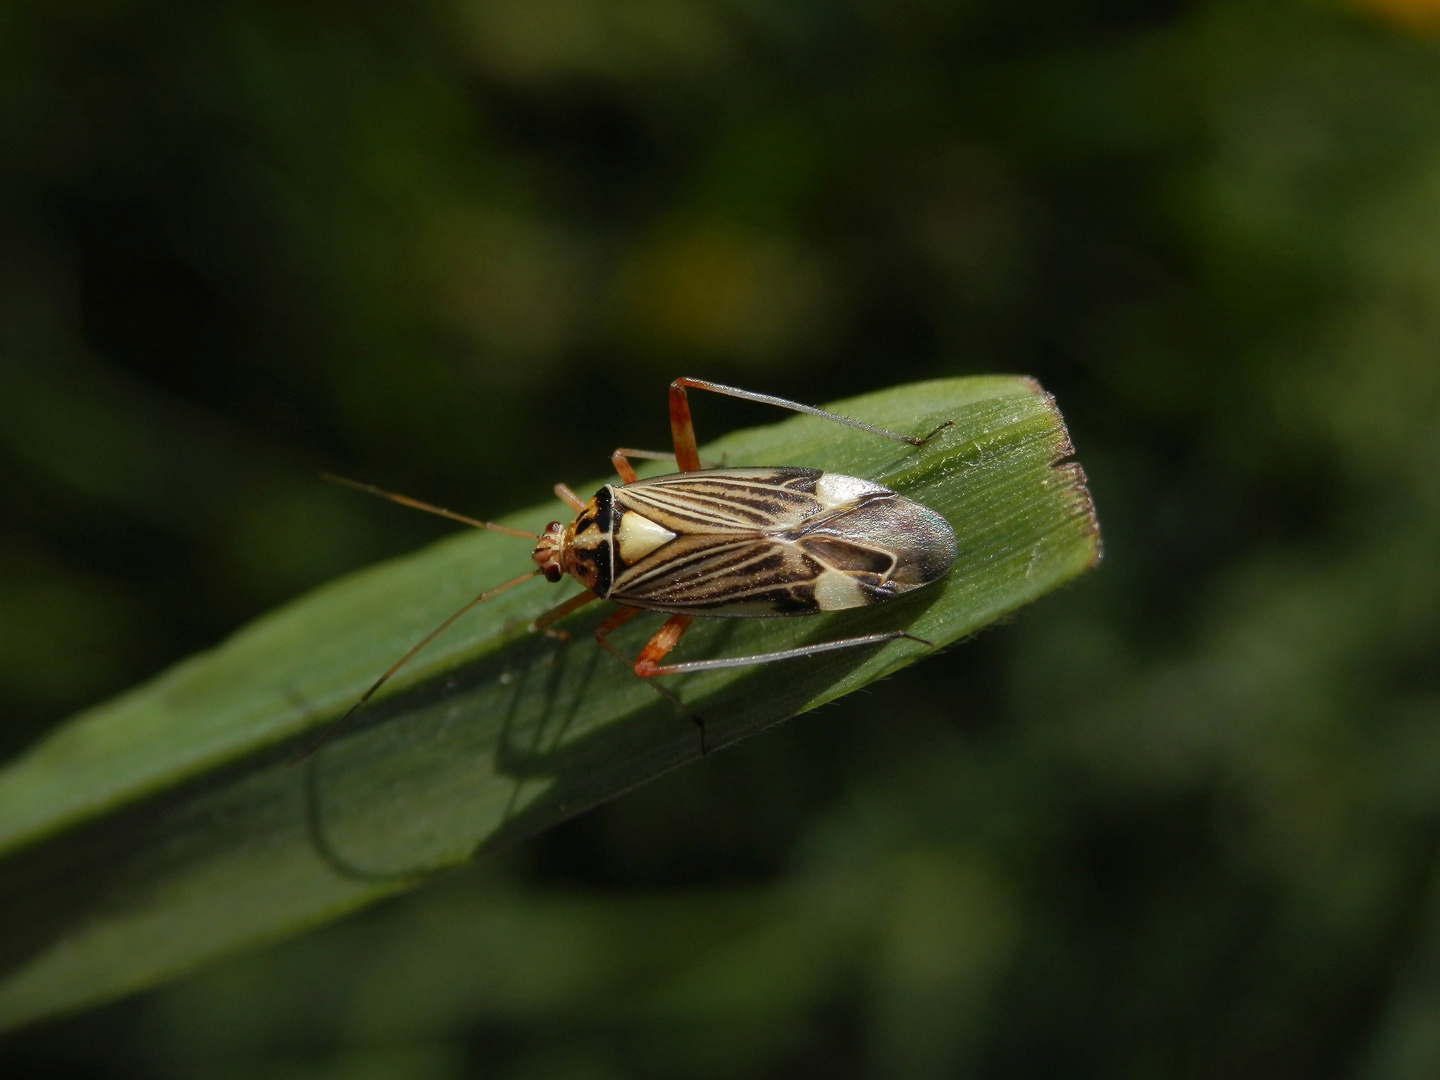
553,574
554,527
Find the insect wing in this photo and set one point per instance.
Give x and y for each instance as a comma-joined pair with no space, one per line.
718,501
765,542
905,543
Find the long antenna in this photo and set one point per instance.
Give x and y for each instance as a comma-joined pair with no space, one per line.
416,504
426,640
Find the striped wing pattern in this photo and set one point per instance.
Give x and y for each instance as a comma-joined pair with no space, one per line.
718,501
762,542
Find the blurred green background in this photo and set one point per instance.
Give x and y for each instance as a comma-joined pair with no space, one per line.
1181,819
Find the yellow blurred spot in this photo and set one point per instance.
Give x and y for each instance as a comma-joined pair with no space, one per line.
721,288
541,40
1418,15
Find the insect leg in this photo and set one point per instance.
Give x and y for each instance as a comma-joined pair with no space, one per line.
648,455
683,431
657,647
765,658
616,619
623,468
620,459
627,472
575,502
665,639
575,603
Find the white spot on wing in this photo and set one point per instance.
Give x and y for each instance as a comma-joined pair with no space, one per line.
834,490
639,536
835,591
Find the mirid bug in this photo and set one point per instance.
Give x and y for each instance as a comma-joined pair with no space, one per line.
757,542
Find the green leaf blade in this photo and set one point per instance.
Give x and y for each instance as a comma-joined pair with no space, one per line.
167,828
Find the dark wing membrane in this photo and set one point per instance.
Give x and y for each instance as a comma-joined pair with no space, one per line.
849,557
716,501
904,543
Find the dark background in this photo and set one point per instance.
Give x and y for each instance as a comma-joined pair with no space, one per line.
1178,820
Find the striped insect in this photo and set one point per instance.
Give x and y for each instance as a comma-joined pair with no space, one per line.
760,542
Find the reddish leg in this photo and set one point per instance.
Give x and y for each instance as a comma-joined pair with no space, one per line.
656,648
616,619
575,603
665,639
574,501
682,430
623,468
620,459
